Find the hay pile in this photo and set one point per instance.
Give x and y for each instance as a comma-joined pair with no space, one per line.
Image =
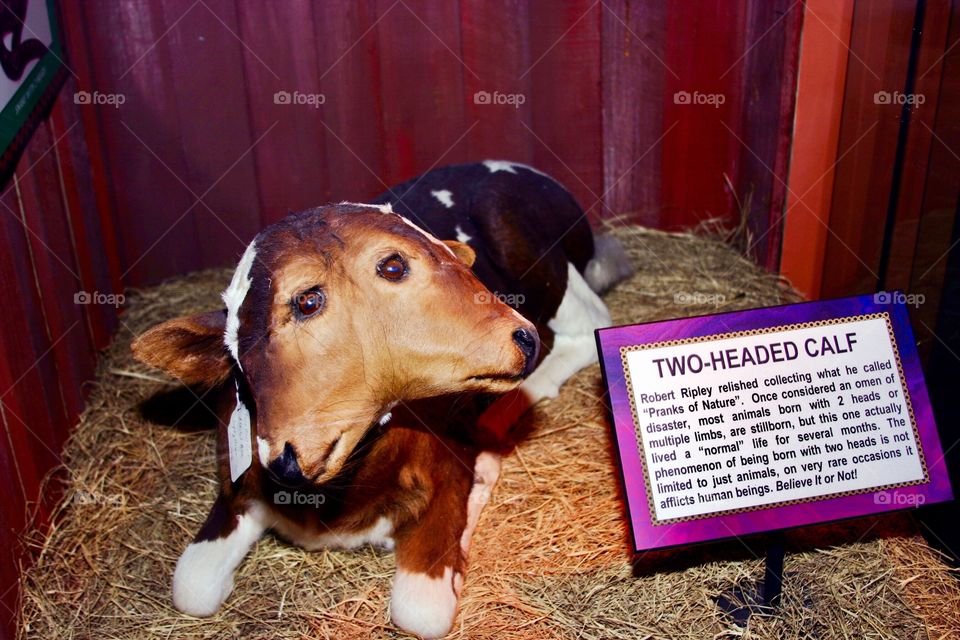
551,557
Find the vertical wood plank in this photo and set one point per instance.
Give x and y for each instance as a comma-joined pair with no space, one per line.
567,114
421,87
291,161
20,479
920,142
37,427
634,77
880,38
348,55
93,261
940,209
213,125
495,45
816,133
56,278
86,144
703,46
157,232
768,76
11,503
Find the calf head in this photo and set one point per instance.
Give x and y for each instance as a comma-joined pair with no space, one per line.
333,316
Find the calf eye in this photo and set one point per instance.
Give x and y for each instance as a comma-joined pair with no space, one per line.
392,268
309,302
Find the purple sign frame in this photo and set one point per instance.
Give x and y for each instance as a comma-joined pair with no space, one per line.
648,533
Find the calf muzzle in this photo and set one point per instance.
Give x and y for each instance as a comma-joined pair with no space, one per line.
286,470
529,343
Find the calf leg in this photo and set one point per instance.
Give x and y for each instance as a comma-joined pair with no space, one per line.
204,575
431,553
486,472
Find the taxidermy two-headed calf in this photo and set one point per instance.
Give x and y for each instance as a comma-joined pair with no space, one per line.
355,364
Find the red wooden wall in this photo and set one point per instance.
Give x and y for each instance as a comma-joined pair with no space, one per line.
886,178
198,155
54,247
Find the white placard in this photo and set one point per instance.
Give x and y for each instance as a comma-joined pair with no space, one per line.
238,440
773,417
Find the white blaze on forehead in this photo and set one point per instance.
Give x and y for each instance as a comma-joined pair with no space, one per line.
462,235
444,196
432,238
233,297
388,208
382,208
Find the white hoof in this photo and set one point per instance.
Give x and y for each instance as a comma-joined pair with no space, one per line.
204,575
423,605
199,587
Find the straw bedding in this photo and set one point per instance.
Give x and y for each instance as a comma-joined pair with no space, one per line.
551,557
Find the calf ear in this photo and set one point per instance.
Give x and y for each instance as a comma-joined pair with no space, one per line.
463,251
190,349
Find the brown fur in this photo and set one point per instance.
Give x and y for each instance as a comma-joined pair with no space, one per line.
417,479
190,349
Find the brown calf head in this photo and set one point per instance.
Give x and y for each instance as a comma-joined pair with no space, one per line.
333,316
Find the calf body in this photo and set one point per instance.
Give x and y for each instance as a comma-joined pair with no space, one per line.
351,333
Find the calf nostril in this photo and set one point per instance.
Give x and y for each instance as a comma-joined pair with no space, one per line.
527,341
286,469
